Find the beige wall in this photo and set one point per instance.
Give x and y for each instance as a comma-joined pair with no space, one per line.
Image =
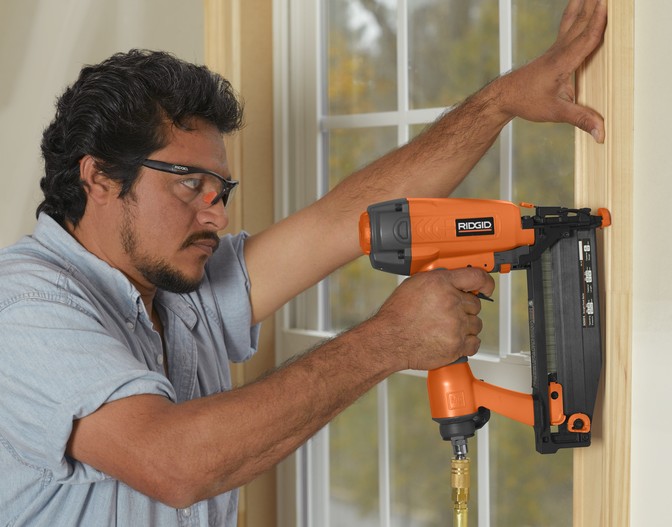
43,44
652,254
239,45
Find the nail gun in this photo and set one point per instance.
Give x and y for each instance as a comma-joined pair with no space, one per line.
557,247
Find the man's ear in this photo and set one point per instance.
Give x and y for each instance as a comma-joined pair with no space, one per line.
97,185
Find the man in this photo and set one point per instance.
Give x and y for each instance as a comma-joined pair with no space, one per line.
120,314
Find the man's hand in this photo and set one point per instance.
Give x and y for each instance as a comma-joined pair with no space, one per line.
543,90
432,318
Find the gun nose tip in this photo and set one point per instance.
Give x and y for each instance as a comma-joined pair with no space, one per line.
606,217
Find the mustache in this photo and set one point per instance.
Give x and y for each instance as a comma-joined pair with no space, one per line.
198,236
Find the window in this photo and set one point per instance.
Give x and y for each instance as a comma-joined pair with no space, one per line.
360,77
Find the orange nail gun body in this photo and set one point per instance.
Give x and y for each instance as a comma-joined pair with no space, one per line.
557,248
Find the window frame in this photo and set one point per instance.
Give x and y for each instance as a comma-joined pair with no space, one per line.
296,108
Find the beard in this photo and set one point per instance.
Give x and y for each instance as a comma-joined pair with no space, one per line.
163,276
155,270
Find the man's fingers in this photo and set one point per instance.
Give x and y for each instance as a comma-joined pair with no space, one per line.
583,118
471,345
585,34
475,325
472,279
591,122
579,15
569,16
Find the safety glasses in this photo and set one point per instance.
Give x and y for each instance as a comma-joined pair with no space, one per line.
197,185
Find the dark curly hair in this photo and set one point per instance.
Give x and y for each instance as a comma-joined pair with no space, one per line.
116,111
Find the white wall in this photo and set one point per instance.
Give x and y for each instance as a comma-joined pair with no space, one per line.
652,298
43,44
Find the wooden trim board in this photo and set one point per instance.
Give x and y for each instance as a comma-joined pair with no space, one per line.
604,178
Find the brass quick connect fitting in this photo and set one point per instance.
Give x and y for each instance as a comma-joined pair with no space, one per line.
460,481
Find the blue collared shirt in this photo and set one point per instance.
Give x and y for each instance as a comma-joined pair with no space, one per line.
74,334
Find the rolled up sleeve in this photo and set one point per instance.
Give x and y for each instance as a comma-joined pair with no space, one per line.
57,365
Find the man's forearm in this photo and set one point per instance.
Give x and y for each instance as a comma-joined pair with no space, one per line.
182,453
435,162
284,409
315,241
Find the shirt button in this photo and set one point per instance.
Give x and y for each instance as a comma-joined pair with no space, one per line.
186,512
159,359
130,325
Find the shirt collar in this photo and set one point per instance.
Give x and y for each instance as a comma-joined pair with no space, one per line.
86,266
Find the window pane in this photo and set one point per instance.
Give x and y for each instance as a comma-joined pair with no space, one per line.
527,488
352,148
543,157
483,180
362,56
543,163
353,462
357,290
420,460
453,49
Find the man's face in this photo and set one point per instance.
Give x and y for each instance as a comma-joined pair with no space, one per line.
167,230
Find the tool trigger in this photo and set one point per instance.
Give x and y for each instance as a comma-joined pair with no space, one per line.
482,296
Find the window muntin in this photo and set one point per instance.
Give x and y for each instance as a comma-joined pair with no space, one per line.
452,50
